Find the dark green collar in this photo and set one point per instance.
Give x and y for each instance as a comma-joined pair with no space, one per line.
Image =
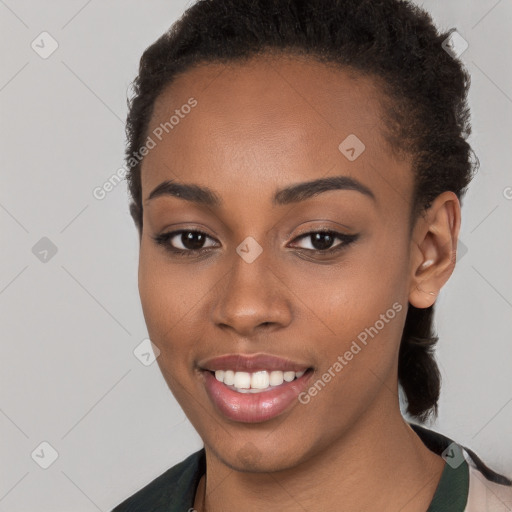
174,490
452,491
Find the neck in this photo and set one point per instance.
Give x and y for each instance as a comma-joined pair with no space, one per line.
379,464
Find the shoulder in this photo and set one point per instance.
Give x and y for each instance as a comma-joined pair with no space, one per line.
173,490
488,490
487,495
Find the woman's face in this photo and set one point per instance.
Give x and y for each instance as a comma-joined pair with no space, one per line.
259,288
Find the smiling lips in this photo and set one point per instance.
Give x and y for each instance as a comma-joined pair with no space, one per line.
253,389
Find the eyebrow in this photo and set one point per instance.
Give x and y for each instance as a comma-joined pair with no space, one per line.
290,194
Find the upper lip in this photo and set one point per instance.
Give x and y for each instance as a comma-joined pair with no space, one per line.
252,362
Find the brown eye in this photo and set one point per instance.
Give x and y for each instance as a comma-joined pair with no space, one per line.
322,241
192,240
184,241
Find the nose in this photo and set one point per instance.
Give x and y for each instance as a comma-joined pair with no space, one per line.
253,298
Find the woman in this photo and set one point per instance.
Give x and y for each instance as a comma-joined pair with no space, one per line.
296,170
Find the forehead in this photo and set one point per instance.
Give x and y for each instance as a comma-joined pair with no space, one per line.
269,122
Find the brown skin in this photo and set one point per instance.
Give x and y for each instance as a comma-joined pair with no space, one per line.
258,127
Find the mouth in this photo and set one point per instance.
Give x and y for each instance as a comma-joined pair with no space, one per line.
253,389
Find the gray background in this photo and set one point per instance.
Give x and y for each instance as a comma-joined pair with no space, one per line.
69,325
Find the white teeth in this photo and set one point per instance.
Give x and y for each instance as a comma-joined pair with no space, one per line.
289,376
242,380
229,377
260,380
276,378
256,382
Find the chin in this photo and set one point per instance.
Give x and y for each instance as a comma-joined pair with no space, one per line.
249,458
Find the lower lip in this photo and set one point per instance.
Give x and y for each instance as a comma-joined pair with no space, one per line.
253,407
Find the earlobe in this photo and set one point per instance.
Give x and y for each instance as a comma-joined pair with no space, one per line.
423,266
421,296
435,241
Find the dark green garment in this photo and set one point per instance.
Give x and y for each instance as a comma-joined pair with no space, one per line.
175,490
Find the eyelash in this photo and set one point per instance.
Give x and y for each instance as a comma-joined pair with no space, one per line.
163,239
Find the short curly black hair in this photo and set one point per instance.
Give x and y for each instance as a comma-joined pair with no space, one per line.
424,92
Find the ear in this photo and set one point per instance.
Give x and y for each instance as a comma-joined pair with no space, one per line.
434,249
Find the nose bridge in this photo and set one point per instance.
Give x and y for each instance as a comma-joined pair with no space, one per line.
252,294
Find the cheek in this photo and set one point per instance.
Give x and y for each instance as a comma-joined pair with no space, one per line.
358,318
365,286
152,296
360,309
165,299
357,358
173,299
